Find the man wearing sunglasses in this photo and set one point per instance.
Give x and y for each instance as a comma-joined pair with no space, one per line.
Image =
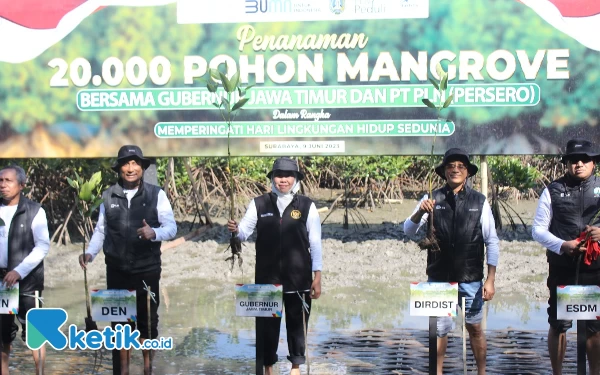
567,208
464,228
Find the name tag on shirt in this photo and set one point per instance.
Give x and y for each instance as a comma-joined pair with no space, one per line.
267,214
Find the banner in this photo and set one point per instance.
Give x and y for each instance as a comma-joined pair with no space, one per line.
80,78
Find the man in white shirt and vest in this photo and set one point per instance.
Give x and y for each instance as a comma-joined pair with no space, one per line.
565,210
465,229
134,218
24,243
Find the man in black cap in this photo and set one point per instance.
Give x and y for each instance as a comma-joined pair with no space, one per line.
565,210
134,218
288,250
464,229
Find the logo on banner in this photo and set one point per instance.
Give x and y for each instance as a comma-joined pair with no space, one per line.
337,6
268,6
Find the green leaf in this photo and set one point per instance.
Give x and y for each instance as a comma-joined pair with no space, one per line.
235,80
217,105
72,183
439,70
212,87
444,82
226,83
85,194
428,103
434,83
226,104
448,101
215,74
239,104
95,179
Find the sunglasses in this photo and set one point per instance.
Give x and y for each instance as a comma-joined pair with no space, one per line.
460,167
280,174
579,158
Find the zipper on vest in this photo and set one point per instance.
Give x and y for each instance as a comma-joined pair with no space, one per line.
581,206
128,231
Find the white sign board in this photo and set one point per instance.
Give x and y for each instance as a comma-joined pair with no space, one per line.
9,299
433,299
263,300
113,305
579,302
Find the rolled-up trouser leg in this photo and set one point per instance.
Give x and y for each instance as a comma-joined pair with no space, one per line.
271,328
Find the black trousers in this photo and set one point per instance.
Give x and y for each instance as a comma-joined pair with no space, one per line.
8,323
119,280
295,330
566,276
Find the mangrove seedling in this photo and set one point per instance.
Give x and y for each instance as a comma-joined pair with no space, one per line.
88,198
229,103
430,241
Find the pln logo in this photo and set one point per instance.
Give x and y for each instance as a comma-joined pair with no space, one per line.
337,6
597,192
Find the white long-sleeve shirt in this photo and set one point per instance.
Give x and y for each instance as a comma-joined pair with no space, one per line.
541,224
488,230
166,231
313,226
41,239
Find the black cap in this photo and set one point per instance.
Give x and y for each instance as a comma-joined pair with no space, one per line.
580,146
456,154
286,164
130,152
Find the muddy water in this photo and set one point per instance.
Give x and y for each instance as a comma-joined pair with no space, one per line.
360,325
209,339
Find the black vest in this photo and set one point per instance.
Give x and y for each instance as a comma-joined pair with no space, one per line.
123,249
21,243
457,223
574,204
282,246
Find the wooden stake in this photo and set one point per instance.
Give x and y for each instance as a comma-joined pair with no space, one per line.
148,302
40,370
484,175
433,345
464,336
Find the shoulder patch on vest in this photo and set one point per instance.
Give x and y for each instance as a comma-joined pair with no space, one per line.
295,214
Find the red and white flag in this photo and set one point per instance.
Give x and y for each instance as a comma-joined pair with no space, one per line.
580,19
29,27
